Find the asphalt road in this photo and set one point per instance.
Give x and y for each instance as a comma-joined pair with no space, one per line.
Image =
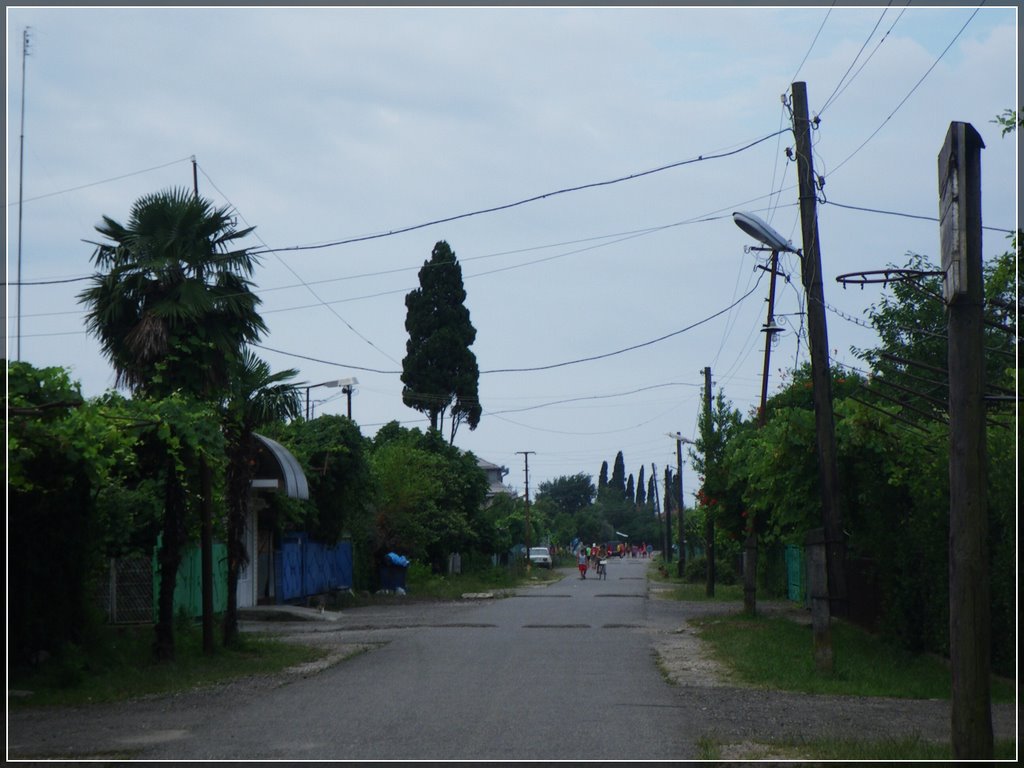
565,671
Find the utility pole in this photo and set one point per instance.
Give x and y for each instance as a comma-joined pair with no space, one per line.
526,460
678,437
206,507
709,521
21,174
970,625
668,516
750,543
821,373
657,507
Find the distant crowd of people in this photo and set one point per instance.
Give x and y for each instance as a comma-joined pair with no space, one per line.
596,555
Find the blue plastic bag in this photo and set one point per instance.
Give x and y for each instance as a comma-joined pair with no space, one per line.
399,560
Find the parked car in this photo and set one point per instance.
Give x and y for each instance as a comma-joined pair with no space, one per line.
540,556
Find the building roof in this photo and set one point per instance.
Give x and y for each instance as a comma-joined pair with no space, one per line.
278,468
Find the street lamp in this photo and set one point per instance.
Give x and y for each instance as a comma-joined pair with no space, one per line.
762,232
678,437
759,230
347,383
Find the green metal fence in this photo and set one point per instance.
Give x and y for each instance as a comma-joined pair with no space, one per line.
796,588
188,588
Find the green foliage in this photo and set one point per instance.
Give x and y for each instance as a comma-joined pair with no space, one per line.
568,494
696,571
335,458
1008,120
428,496
772,652
440,372
172,303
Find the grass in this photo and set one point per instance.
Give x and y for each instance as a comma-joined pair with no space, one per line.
724,593
119,665
774,652
907,748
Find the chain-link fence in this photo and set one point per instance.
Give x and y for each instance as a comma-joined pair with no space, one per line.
126,594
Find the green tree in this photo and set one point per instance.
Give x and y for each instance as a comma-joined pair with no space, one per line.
602,477
256,398
568,494
716,427
617,482
440,372
428,496
641,488
172,308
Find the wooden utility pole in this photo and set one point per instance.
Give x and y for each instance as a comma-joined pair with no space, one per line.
821,373
657,508
667,557
750,543
206,506
709,519
526,460
963,290
681,571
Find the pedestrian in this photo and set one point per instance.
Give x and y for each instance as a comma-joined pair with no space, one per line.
582,560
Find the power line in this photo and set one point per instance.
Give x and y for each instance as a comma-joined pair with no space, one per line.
840,86
911,91
299,278
533,368
904,215
815,40
103,181
630,348
535,198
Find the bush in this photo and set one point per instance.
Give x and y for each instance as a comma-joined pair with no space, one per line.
696,571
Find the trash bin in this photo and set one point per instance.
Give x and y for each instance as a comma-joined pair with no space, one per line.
392,572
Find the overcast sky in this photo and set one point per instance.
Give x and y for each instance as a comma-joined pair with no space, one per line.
331,124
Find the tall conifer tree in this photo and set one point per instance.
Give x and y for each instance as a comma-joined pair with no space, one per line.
440,372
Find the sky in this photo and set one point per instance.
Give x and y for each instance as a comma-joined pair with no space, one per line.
582,163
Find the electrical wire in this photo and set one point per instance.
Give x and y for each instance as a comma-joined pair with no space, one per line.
871,34
835,95
298,277
630,348
533,368
906,215
103,181
815,40
911,91
535,198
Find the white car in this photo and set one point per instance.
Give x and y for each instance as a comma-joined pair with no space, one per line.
540,556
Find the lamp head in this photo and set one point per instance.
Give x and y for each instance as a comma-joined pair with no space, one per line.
762,232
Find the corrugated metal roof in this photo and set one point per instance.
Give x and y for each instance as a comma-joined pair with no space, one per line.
291,474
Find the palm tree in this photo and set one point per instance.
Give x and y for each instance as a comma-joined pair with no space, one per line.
172,307
257,397
170,288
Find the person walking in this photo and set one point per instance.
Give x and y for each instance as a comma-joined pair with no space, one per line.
582,560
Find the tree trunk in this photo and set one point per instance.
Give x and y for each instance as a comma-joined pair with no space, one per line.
239,480
169,559
206,506
750,574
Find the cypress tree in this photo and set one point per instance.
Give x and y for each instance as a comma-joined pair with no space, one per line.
440,372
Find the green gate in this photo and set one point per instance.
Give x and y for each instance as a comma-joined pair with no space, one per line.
795,586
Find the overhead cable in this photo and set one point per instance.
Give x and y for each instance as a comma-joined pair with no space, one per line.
535,198
910,92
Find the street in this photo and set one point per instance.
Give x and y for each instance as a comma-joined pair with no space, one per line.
565,671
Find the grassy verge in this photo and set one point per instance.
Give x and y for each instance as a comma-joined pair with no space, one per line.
119,665
774,652
909,748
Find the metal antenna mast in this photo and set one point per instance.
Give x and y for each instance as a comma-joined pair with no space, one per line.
21,174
